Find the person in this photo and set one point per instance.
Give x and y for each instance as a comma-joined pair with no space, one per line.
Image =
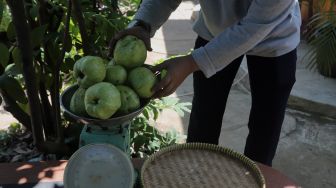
266,31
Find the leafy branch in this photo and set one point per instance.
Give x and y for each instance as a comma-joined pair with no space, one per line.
39,44
23,34
145,138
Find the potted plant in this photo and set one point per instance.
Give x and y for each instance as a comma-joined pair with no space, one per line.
321,36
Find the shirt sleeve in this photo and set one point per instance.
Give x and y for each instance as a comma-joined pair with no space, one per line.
156,12
262,17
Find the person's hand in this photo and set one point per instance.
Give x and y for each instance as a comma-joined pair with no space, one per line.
137,31
177,70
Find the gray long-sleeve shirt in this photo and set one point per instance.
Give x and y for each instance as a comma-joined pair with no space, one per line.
267,28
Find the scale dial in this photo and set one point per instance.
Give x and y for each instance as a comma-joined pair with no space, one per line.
99,166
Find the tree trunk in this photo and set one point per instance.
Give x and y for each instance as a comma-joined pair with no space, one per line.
78,14
57,81
51,122
49,114
25,45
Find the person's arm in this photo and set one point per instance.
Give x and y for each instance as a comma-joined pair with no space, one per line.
156,12
150,16
262,17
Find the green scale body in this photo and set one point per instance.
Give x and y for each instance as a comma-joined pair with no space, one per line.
117,135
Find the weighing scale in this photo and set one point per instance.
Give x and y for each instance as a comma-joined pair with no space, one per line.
103,159
99,138
115,131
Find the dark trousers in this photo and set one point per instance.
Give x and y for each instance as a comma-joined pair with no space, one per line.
271,80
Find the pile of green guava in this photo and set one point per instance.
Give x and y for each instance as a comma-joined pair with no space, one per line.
116,87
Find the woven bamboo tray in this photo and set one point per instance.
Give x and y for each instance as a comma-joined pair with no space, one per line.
198,165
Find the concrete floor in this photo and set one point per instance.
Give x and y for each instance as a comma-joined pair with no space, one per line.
307,148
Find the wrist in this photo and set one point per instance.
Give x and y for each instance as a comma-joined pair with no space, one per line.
140,23
192,63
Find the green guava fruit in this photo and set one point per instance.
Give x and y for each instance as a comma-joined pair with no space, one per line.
142,80
77,104
116,74
102,100
89,70
129,100
130,52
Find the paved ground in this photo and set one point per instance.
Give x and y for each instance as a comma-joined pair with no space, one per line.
307,149
5,118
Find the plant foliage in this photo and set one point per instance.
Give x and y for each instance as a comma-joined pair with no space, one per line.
49,36
321,35
57,33
145,138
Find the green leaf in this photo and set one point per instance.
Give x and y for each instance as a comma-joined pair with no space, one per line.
12,70
11,34
170,101
2,5
67,65
38,73
4,54
185,109
4,138
47,79
140,141
54,23
17,57
322,37
14,128
73,29
154,144
183,106
68,44
25,107
37,35
149,130
54,51
179,111
33,12
130,13
145,113
156,113
13,88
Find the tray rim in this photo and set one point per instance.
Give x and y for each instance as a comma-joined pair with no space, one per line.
248,163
